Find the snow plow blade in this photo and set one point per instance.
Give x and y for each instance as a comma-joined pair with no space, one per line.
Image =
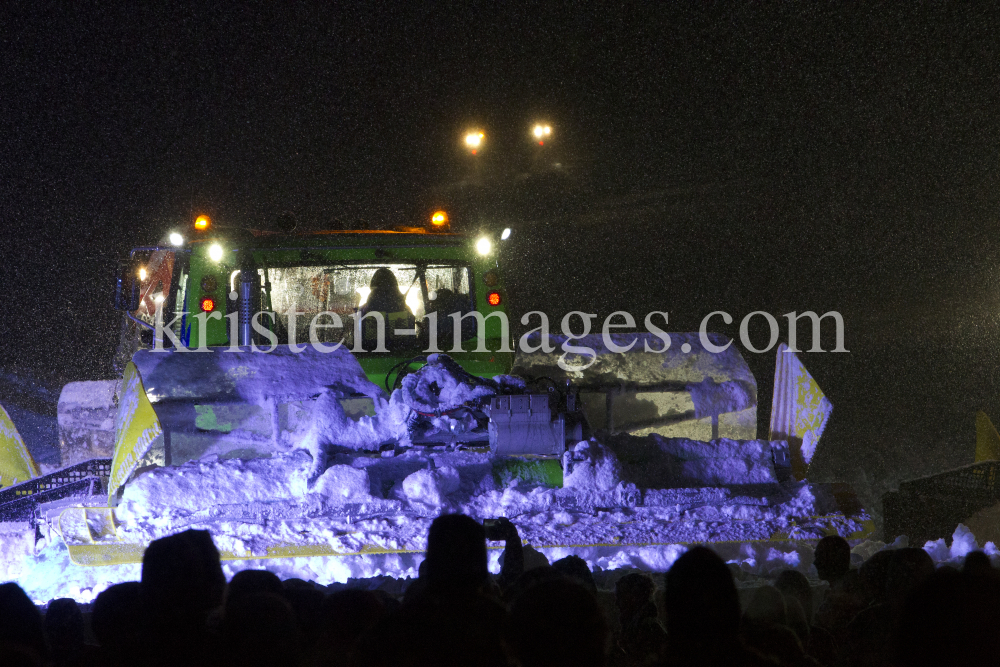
684,391
16,462
179,407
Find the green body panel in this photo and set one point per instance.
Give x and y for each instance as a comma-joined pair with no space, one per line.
339,248
528,469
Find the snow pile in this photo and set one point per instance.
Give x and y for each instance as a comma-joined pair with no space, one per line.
657,462
331,427
198,485
16,546
430,487
719,462
591,466
342,483
962,543
441,385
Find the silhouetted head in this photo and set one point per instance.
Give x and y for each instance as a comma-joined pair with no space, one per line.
793,583
832,558
576,569
558,622
702,605
247,582
456,553
949,618
345,615
182,581
529,580
633,592
116,617
307,605
907,569
384,295
64,626
796,619
261,630
977,563
874,572
766,607
383,279
20,621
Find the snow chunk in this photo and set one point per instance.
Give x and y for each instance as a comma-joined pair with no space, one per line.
963,542
203,484
332,427
431,486
343,483
442,385
591,466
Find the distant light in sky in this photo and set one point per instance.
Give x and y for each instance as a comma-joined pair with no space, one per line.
474,139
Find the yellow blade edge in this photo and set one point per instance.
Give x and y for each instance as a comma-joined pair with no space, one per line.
987,439
16,462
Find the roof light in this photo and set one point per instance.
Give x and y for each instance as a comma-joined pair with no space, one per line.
207,304
474,140
541,131
439,219
493,298
142,274
202,222
215,252
506,234
484,246
176,239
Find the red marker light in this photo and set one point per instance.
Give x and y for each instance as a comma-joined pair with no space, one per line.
541,143
493,298
208,305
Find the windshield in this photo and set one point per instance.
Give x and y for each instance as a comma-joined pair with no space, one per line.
402,292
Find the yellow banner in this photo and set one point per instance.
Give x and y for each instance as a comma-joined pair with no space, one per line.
16,464
136,427
799,409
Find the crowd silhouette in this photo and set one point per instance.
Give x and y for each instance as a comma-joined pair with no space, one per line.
896,609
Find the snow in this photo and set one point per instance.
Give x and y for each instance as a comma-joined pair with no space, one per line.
341,483
254,378
624,502
713,398
442,385
592,466
430,487
87,395
366,500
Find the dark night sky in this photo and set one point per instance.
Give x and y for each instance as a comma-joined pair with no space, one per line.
736,157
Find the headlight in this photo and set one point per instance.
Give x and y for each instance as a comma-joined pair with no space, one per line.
484,246
215,252
176,239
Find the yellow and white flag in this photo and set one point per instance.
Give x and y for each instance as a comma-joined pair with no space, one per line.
136,427
16,463
799,410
